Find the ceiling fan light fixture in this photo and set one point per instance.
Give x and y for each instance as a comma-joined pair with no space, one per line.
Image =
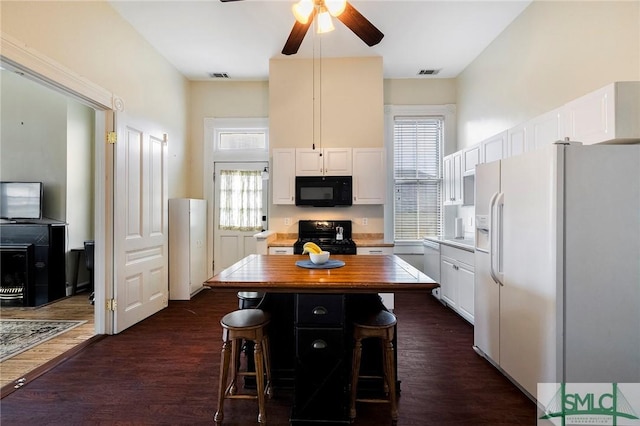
335,7
325,24
302,10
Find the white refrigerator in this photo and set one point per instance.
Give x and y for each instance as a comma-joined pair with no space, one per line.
557,265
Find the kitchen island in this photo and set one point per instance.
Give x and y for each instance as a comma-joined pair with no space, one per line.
319,307
361,274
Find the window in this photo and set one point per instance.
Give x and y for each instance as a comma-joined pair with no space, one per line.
417,148
240,200
241,140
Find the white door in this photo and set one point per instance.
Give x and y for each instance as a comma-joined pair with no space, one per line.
140,222
232,243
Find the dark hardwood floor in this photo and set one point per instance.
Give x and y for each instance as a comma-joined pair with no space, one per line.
164,370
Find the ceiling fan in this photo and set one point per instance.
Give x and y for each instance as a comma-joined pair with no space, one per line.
305,11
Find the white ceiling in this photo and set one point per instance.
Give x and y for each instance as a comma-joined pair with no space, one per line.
239,38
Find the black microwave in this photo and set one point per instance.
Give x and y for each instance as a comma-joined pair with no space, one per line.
324,191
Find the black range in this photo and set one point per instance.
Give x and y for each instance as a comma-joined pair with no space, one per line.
333,236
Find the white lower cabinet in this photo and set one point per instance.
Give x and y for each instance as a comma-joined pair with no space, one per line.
280,250
187,247
388,299
457,280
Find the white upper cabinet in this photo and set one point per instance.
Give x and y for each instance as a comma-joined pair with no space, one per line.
545,129
338,161
470,158
606,114
369,176
494,148
326,161
308,162
517,140
283,175
452,171
535,133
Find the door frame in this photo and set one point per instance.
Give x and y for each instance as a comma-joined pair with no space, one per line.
18,57
210,126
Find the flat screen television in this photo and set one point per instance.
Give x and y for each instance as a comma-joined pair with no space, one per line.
20,200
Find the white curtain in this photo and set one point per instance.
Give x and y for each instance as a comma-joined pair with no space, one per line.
241,200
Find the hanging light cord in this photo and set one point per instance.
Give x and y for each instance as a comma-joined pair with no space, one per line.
313,90
319,48
320,94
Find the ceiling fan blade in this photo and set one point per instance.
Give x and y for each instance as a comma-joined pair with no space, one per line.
224,1
297,35
360,25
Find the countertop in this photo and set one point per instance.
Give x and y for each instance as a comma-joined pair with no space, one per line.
361,240
359,274
461,243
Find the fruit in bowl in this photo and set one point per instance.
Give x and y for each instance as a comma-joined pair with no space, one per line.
316,254
319,258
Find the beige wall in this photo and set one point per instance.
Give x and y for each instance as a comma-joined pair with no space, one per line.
552,53
420,91
219,99
223,99
93,41
345,109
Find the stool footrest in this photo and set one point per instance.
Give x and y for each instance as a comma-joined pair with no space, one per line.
373,400
241,396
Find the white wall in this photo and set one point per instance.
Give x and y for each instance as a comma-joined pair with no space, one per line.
555,51
33,139
47,137
80,171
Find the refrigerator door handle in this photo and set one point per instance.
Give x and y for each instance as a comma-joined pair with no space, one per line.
495,236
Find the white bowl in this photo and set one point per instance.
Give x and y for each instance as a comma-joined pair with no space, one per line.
319,258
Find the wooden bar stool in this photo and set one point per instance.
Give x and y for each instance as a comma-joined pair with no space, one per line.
249,299
244,324
380,325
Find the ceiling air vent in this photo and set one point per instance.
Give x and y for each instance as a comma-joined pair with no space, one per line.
428,72
218,75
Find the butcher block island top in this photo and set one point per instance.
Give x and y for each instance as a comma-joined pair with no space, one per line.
360,274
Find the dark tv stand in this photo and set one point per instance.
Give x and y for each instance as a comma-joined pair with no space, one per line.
48,238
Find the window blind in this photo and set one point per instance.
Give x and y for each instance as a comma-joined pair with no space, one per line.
417,145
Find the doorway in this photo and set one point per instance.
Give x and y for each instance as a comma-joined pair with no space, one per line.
231,140
241,210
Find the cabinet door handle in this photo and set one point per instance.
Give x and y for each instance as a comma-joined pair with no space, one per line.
320,310
319,344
